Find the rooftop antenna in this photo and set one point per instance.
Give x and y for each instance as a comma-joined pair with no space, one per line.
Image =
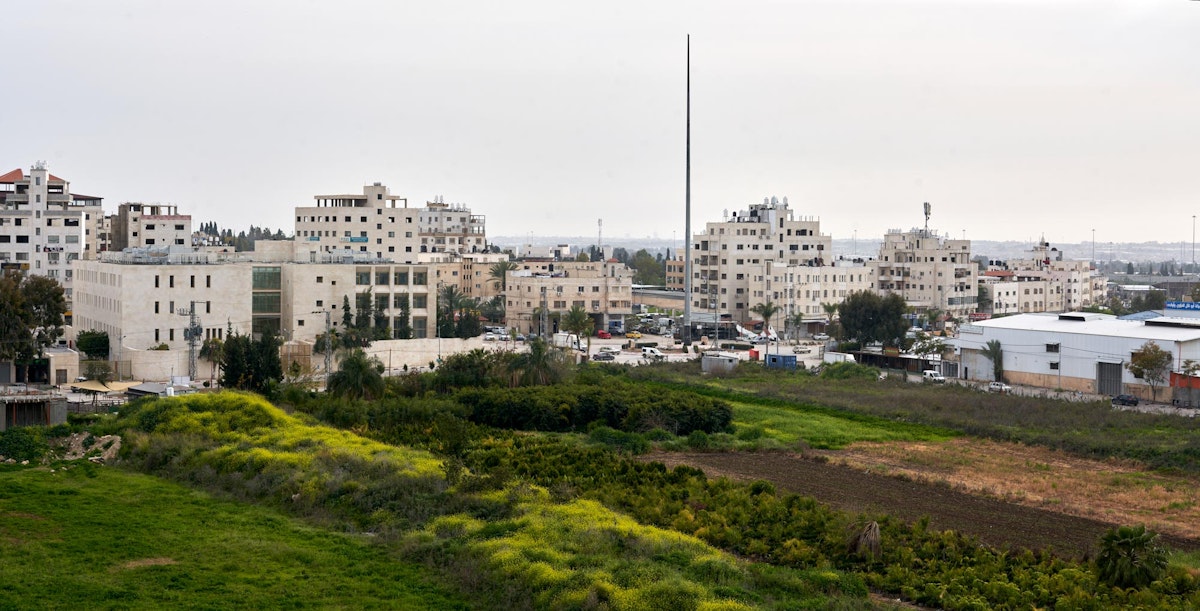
927,210
600,238
192,334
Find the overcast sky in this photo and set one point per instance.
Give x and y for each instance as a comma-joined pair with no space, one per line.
1014,119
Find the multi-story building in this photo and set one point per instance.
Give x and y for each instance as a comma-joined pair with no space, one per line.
375,223
929,271
1045,283
603,288
451,228
44,227
286,288
138,225
765,254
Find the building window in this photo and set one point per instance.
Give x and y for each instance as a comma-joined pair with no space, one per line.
171,281
192,280
1054,366
420,302
1051,347
265,279
156,307
362,278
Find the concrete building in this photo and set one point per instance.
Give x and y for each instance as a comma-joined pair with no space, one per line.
44,227
755,256
1042,282
138,297
451,228
1073,351
375,223
138,225
929,271
604,289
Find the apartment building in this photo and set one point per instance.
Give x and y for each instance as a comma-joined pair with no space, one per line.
44,227
765,253
138,225
603,288
1008,292
451,228
375,223
1068,285
929,271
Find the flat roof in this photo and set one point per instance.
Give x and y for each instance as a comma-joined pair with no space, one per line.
1162,328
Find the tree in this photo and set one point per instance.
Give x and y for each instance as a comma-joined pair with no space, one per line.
98,371
347,315
358,377
1152,364
450,300
831,310
993,351
1130,557
15,337
468,324
649,270
540,366
403,328
766,311
499,274
251,364
93,343
578,322
47,307
867,317
213,351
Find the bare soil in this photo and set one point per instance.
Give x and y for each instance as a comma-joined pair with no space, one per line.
994,521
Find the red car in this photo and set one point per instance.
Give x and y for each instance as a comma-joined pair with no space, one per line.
602,334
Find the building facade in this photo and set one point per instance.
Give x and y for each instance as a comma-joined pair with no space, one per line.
929,271
44,228
451,228
375,223
604,289
140,225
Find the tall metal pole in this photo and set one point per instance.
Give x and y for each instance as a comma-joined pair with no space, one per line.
687,223
328,346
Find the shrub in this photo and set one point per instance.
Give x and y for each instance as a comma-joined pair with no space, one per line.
23,443
1130,557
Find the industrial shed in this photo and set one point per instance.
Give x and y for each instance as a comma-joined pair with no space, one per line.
1074,351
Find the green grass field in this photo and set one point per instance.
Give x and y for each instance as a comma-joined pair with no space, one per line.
103,538
821,428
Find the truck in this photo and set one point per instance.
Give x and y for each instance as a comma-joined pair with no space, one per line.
838,357
566,340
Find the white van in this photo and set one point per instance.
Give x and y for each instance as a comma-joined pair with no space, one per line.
934,376
653,354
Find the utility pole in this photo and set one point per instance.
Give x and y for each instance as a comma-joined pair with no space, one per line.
686,332
192,335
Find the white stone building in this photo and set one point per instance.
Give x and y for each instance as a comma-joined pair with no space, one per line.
375,223
44,227
929,271
451,228
138,225
603,288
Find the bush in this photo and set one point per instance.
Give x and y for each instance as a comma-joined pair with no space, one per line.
23,443
1130,557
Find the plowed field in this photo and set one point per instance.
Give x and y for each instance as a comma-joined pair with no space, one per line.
994,521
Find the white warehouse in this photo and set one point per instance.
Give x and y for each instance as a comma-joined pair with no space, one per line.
1075,351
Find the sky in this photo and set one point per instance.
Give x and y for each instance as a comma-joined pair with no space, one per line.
1015,119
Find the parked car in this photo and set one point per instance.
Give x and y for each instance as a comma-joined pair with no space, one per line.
821,337
653,354
489,337
633,335
801,350
604,356
1125,400
610,349
999,387
602,334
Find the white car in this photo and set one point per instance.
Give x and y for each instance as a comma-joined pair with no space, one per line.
999,387
821,337
931,375
610,349
489,337
801,350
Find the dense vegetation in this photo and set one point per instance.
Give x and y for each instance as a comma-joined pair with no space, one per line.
570,520
1089,429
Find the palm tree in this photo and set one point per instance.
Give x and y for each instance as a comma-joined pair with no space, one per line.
578,322
995,352
450,301
358,377
1130,557
213,351
831,309
541,365
766,311
796,321
499,273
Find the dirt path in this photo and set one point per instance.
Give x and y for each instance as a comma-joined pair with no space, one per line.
994,522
